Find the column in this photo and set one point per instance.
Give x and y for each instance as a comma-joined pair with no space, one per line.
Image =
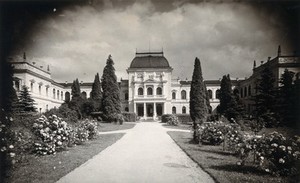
134,107
145,111
213,94
154,110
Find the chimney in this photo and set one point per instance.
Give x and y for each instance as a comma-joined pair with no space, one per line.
261,62
254,64
279,51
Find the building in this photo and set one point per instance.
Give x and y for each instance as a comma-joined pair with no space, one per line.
150,89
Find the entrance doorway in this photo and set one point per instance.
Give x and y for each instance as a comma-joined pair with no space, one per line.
140,110
159,109
149,110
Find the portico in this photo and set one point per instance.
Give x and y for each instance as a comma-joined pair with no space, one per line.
149,110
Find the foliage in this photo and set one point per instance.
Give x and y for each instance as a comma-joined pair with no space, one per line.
129,116
184,118
172,120
229,106
75,89
165,117
198,106
211,133
111,93
96,93
65,112
26,102
266,98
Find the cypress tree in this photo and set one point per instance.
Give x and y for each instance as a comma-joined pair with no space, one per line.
75,89
76,101
111,103
96,93
198,106
266,98
26,102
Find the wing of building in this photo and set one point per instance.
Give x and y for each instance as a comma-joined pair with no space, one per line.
150,89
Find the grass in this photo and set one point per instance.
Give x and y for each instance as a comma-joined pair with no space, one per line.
222,165
44,169
105,127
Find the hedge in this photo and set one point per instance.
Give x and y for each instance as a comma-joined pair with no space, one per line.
129,116
184,118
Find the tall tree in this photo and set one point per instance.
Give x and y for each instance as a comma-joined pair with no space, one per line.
26,102
76,101
266,98
229,105
111,103
76,89
286,97
96,93
296,103
198,106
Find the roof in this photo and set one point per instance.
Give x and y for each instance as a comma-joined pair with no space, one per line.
149,60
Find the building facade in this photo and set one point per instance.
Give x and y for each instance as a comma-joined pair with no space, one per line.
150,89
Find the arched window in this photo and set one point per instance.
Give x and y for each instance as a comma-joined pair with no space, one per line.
158,91
245,91
249,90
173,95
218,94
17,85
210,94
54,93
67,97
173,110
126,96
61,95
83,95
31,87
140,91
183,94
47,91
40,89
149,91
183,110
57,94
126,109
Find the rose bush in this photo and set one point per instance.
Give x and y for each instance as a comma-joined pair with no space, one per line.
172,120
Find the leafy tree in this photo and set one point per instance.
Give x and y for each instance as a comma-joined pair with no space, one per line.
111,103
266,98
198,106
26,102
286,97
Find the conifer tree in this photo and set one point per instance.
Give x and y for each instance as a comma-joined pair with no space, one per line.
76,101
96,93
198,106
26,102
75,89
111,103
266,98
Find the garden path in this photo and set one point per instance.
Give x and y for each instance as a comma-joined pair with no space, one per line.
146,153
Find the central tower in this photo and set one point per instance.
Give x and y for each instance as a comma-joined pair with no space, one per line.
149,85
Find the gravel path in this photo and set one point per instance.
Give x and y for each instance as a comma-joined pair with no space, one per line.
146,153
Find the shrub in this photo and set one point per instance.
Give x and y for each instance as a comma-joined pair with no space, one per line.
165,117
91,128
211,133
184,118
129,116
119,118
65,112
172,120
97,115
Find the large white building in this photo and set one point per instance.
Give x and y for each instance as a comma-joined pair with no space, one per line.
150,89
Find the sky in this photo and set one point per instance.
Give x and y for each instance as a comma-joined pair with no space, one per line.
227,37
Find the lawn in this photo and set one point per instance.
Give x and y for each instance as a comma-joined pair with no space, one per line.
105,127
222,165
51,168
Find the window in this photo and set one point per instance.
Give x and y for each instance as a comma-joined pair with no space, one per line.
183,94
218,94
173,110
249,90
242,93
31,87
61,95
67,97
183,110
83,95
40,89
17,85
159,91
54,93
126,96
47,91
173,95
210,94
245,91
126,109
149,91
140,91
57,94
236,92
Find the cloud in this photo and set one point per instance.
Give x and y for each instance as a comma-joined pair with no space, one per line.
226,38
